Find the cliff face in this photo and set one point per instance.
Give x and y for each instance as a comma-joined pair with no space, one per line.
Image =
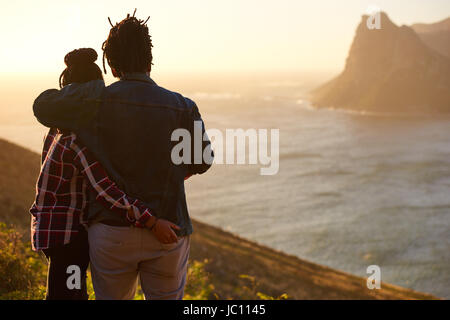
389,70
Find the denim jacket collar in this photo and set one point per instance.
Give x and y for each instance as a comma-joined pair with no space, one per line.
138,76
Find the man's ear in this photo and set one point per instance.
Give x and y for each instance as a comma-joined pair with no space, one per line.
115,73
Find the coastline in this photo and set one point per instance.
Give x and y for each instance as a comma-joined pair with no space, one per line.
307,103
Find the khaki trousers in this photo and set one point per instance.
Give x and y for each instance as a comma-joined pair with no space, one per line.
119,255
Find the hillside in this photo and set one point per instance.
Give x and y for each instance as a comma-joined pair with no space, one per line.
19,170
229,256
389,70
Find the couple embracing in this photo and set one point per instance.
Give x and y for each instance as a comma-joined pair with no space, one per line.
108,193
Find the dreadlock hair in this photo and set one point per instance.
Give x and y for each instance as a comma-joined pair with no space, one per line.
128,47
81,67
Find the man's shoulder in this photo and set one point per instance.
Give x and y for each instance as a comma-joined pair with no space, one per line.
183,101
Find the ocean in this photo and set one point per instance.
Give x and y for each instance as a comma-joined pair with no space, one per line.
353,189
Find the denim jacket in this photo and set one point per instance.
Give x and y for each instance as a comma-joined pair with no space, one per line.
128,127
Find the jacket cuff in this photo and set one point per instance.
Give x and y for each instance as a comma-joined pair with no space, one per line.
140,223
132,219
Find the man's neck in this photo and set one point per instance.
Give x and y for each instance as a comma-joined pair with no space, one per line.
140,76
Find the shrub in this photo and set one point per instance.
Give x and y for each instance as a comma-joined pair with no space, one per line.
198,286
22,271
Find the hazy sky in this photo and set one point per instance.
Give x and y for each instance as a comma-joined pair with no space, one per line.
201,35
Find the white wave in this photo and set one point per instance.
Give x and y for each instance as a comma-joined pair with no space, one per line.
305,104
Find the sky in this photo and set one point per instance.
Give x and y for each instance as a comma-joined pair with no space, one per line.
200,35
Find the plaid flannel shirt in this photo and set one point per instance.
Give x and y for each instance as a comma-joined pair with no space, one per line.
67,170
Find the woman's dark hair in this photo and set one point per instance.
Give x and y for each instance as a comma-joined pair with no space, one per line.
128,47
81,67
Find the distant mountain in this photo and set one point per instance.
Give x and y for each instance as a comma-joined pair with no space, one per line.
435,35
389,70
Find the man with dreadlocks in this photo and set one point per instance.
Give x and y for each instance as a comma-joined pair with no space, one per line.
128,127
